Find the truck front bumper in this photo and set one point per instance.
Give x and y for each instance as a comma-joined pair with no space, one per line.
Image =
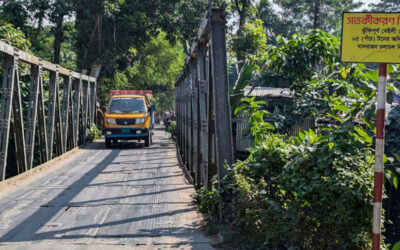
126,133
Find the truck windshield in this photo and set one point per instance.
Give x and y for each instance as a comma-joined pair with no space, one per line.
126,106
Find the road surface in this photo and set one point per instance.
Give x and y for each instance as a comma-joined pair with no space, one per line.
98,198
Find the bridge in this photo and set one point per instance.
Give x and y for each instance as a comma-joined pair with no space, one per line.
97,197
59,191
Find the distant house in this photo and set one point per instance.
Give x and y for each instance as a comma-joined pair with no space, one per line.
278,101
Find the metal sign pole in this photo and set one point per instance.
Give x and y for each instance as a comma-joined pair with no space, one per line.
379,152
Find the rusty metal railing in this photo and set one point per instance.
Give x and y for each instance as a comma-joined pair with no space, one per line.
202,103
51,129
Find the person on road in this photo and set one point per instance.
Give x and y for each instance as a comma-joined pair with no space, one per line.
99,118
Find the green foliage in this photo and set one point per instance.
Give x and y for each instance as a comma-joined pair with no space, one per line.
392,138
252,42
300,15
107,30
172,130
257,124
312,191
208,201
239,80
274,24
93,133
158,63
386,6
396,246
392,148
294,61
16,13
163,100
14,37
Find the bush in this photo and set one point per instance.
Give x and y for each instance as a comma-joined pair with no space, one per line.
309,192
93,133
172,130
209,201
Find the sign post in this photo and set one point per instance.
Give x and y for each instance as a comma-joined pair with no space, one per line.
379,152
374,38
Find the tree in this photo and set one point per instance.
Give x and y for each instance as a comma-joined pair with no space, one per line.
15,13
386,5
59,10
242,9
325,15
14,37
108,29
272,21
155,68
252,43
39,10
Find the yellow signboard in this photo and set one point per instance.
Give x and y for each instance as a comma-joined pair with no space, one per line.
371,37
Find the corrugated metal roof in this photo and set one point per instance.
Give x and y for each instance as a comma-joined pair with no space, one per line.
267,91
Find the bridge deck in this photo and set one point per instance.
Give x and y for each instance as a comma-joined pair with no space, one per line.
98,197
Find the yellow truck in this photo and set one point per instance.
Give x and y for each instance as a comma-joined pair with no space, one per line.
128,116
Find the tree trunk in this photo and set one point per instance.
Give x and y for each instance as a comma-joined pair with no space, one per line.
243,12
86,48
317,14
39,28
58,39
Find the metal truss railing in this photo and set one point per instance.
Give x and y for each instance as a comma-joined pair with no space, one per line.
51,129
202,103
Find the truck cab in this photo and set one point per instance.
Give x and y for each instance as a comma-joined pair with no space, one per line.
128,116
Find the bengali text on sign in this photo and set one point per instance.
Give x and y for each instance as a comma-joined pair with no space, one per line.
371,37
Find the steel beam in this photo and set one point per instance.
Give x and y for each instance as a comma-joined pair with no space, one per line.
65,111
85,107
58,124
19,131
36,77
222,110
203,100
5,111
51,112
76,110
33,60
190,121
42,132
195,122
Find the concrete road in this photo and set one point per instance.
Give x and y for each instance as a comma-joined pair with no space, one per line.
127,197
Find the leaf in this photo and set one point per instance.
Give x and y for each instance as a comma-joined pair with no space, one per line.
244,77
232,76
369,125
335,117
343,72
301,136
390,89
396,246
365,137
240,108
397,156
331,145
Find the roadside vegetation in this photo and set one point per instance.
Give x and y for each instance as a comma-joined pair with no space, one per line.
312,190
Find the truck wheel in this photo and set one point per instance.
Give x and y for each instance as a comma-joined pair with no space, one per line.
108,143
147,141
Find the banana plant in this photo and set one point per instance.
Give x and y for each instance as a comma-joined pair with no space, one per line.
239,80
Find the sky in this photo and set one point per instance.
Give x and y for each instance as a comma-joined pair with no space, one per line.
366,2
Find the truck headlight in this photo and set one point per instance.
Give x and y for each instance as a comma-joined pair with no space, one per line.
139,120
111,120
